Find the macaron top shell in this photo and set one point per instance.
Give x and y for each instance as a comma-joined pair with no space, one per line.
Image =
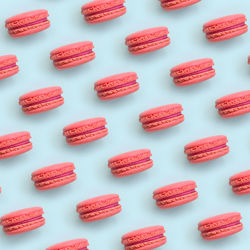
7,60
14,138
240,178
77,244
234,96
99,5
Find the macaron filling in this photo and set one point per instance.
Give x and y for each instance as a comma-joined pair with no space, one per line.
56,177
241,185
239,25
53,98
133,163
195,73
43,20
74,56
105,10
149,41
236,105
236,223
124,85
88,132
8,66
100,208
15,145
157,237
178,195
163,118
209,150
25,221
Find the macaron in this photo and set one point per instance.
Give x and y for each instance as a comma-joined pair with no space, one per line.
161,117
220,226
72,55
85,131
177,4
130,163
248,59
176,194
225,28
145,238
206,149
8,66
148,40
27,23
14,144
79,244
234,105
54,176
240,183
99,208
193,72
41,100
99,11
116,86
22,221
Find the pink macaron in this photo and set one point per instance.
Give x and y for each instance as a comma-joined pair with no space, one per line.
193,72
8,66
176,194
99,11
241,183
207,149
72,55
161,117
234,105
148,40
130,163
27,23
177,4
54,176
41,100
85,131
220,226
22,221
99,208
144,239
78,244
14,144
116,86
225,28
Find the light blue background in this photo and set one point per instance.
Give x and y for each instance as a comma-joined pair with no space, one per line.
170,165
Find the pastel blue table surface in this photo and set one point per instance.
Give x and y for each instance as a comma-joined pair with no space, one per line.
125,133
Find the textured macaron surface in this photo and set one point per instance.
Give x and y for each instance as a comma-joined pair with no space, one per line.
72,55
234,105
241,183
99,208
161,117
85,131
175,194
22,221
78,244
8,66
99,11
177,4
54,176
207,149
27,23
144,239
224,28
116,86
193,72
41,100
148,40
220,226
130,163
14,144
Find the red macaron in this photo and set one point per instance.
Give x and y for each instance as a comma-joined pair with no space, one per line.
207,149
22,221
8,66
99,11
193,72
79,244
130,163
241,183
225,28
220,226
161,117
27,23
177,4
99,208
176,194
